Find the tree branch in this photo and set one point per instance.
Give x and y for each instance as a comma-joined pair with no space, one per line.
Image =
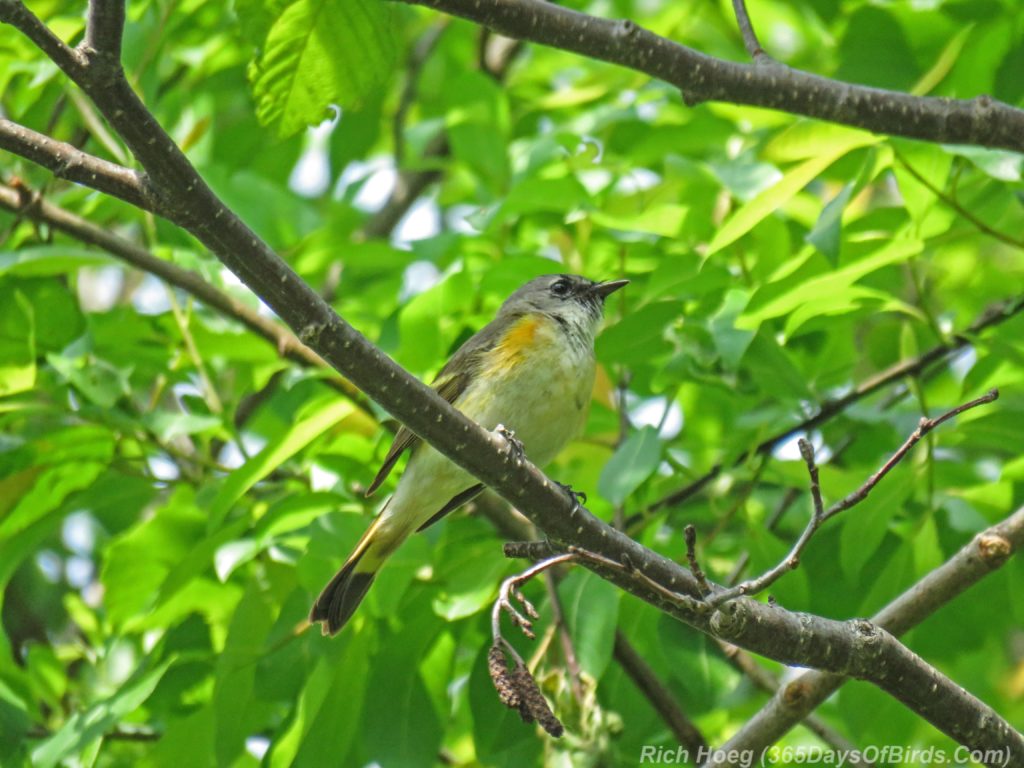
985,553
992,316
22,201
766,681
820,514
657,694
981,121
855,648
850,648
104,29
68,162
753,45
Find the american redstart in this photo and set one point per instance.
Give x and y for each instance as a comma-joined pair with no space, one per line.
531,370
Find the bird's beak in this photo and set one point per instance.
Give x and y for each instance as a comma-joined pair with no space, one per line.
608,288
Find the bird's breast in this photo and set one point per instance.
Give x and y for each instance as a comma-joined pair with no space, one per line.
536,381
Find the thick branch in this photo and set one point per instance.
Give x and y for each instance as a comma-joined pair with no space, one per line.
67,162
984,554
982,121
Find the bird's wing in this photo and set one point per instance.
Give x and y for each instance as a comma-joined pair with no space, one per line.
450,383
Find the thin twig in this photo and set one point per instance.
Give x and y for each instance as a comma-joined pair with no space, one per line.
750,40
25,202
690,536
923,428
820,514
964,213
421,51
660,697
508,591
993,315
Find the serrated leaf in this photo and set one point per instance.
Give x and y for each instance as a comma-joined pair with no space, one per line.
319,53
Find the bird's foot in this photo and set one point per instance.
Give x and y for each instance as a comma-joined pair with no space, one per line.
579,498
515,446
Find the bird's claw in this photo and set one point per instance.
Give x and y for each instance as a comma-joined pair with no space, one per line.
515,445
579,498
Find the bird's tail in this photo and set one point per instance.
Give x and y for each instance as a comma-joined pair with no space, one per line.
346,590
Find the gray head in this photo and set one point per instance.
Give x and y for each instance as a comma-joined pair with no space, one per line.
573,301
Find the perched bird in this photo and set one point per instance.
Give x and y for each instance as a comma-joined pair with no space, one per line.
531,370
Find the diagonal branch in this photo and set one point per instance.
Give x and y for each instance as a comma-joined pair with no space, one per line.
25,203
992,316
984,554
634,665
820,514
850,648
982,121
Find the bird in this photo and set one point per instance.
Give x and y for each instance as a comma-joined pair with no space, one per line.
530,373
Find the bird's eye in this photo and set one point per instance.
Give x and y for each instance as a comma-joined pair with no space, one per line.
561,288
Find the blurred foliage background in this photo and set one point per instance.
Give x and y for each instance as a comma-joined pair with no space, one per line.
173,494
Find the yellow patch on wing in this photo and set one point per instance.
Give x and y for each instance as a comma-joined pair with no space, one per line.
516,343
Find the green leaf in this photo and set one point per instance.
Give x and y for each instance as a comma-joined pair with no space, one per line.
591,607
731,342
874,51
665,220
50,489
99,381
45,260
168,425
639,337
319,53
632,463
233,702
325,717
85,728
317,420
18,350
467,570
944,63
773,198
867,524
825,234
830,284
